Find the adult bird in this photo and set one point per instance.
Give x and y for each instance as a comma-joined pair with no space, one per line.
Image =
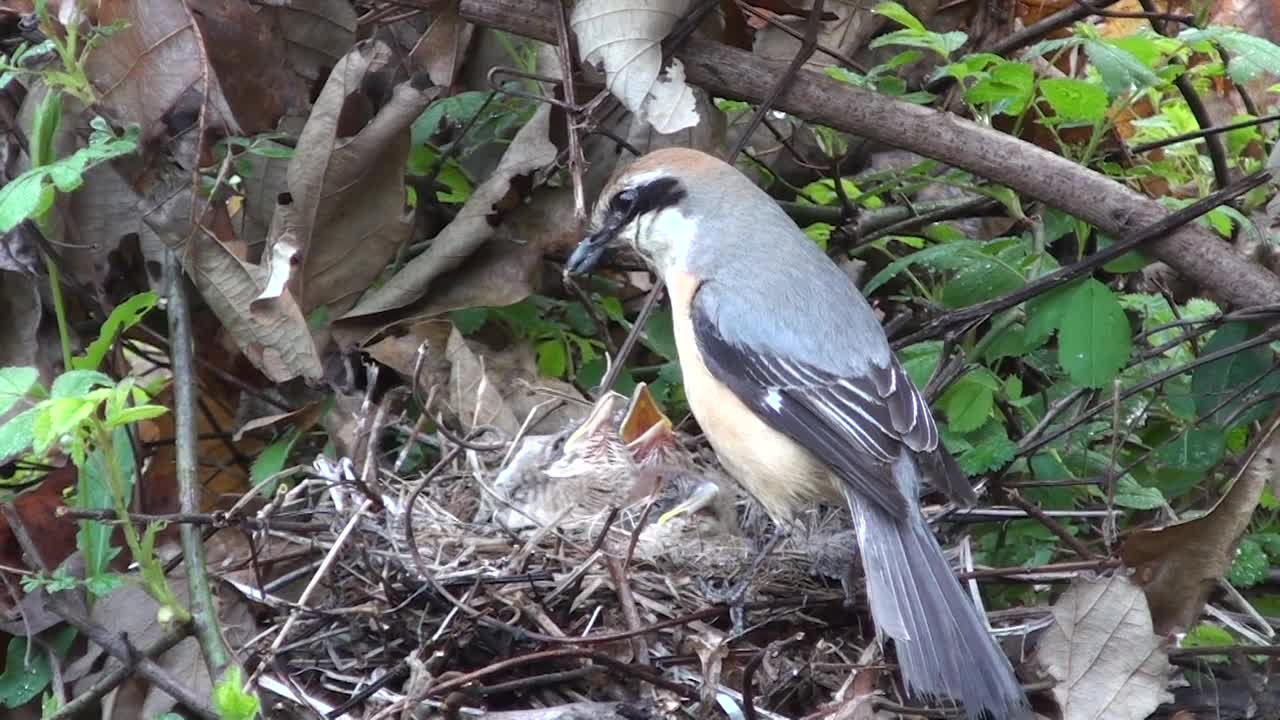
792,379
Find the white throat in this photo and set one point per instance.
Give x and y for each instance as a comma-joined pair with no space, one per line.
664,237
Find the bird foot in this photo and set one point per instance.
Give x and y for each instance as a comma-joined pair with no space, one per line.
734,594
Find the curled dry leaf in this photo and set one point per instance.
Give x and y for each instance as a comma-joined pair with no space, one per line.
1179,564
625,36
345,214
1102,651
276,339
316,33
530,150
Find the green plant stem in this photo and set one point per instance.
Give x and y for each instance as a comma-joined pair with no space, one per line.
59,308
204,612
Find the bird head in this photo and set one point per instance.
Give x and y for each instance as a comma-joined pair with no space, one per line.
657,205
648,432
595,445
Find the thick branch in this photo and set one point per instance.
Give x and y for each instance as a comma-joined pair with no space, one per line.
1107,205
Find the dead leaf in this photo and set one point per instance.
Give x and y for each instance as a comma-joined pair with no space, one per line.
276,339
240,38
345,216
1178,565
530,150
316,32
441,49
20,311
472,394
155,73
625,36
128,610
1102,651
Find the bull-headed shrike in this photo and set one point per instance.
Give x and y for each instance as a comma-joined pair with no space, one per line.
791,377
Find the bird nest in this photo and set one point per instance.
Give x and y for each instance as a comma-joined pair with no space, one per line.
597,572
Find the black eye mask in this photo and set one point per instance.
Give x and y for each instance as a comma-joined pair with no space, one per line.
624,207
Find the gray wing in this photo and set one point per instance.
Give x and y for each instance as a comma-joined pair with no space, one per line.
859,424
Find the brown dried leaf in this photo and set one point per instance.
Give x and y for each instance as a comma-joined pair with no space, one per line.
155,70
316,32
251,62
442,48
1103,653
276,339
20,311
346,215
1178,565
530,150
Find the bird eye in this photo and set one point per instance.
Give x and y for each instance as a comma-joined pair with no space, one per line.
624,202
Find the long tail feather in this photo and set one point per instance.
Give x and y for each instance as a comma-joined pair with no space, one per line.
943,645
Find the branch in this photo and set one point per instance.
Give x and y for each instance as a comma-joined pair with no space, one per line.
1107,205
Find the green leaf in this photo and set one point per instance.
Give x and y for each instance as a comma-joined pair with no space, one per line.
271,461
17,434
15,383
23,681
820,233
1075,101
1251,56
78,383
1093,339
93,492
989,455
1208,635
969,400
1045,313
1250,566
980,281
469,320
553,358
135,414
659,335
1199,448
900,15
920,360
124,316
1131,495
230,700
1008,89
23,197
1121,72
946,255
1215,382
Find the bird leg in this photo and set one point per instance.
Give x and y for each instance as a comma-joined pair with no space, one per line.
735,595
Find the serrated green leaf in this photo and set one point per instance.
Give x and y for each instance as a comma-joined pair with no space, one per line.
900,15
989,455
920,360
1008,89
1214,383
1121,72
17,435
15,383
78,383
1199,448
93,492
980,281
1250,565
1074,101
1251,55
939,255
136,413
969,400
1045,313
1093,337
1131,495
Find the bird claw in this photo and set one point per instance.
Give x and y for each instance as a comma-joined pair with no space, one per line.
735,595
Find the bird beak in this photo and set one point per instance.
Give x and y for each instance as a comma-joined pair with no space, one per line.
701,497
597,422
587,255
